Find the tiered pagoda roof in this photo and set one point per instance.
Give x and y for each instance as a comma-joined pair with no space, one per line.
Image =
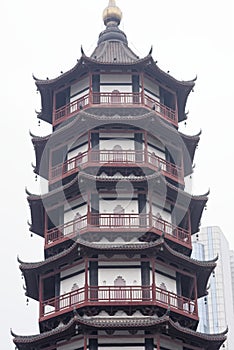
148,121
32,271
112,52
162,324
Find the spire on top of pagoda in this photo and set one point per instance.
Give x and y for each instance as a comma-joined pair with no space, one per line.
112,16
112,13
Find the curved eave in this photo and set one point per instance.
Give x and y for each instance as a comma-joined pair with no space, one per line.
39,144
37,203
163,325
191,143
197,205
47,86
37,214
125,58
182,88
86,121
32,271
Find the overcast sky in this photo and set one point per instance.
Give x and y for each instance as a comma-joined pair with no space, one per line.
44,37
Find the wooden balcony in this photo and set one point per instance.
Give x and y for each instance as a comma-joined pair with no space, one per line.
120,158
123,99
112,295
118,223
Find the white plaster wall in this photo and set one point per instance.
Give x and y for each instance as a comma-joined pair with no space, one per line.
69,213
130,206
109,144
116,135
120,340
115,78
157,152
78,86
170,282
120,88
164,214
106,277
78,149
67,284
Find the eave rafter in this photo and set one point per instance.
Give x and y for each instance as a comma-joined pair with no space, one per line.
80,325
80,247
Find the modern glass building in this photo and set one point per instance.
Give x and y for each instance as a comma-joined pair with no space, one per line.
216,309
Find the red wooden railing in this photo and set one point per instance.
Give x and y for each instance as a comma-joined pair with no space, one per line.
118,295
96,221
71,108
110,98
115,157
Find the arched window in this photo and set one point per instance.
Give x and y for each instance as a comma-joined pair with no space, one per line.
118,216
117,153
163,293
77,223
75,296
120,291
79,158
115,97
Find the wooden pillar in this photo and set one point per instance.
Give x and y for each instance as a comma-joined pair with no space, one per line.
145,279
93,279
153,279
93,344
149,342
138,141
142,90
41,299
86,279
142,209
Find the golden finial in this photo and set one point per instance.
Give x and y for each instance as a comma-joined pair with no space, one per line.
112,13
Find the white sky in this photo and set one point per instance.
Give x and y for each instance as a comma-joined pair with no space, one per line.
43,37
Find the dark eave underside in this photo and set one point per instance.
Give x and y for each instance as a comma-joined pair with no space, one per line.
32,271
152,324
93,118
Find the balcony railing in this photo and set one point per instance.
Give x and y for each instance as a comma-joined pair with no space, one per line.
110,98
116,158
119,222
124,295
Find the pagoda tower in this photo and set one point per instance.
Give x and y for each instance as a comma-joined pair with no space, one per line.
116,219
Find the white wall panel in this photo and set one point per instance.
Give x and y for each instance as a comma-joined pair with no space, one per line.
130,206
108,276
79,86
77,150
67,284
110,144
115,78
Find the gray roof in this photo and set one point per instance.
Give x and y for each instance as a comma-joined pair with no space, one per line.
114,51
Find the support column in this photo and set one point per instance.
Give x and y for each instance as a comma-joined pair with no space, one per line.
93,279
145,279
